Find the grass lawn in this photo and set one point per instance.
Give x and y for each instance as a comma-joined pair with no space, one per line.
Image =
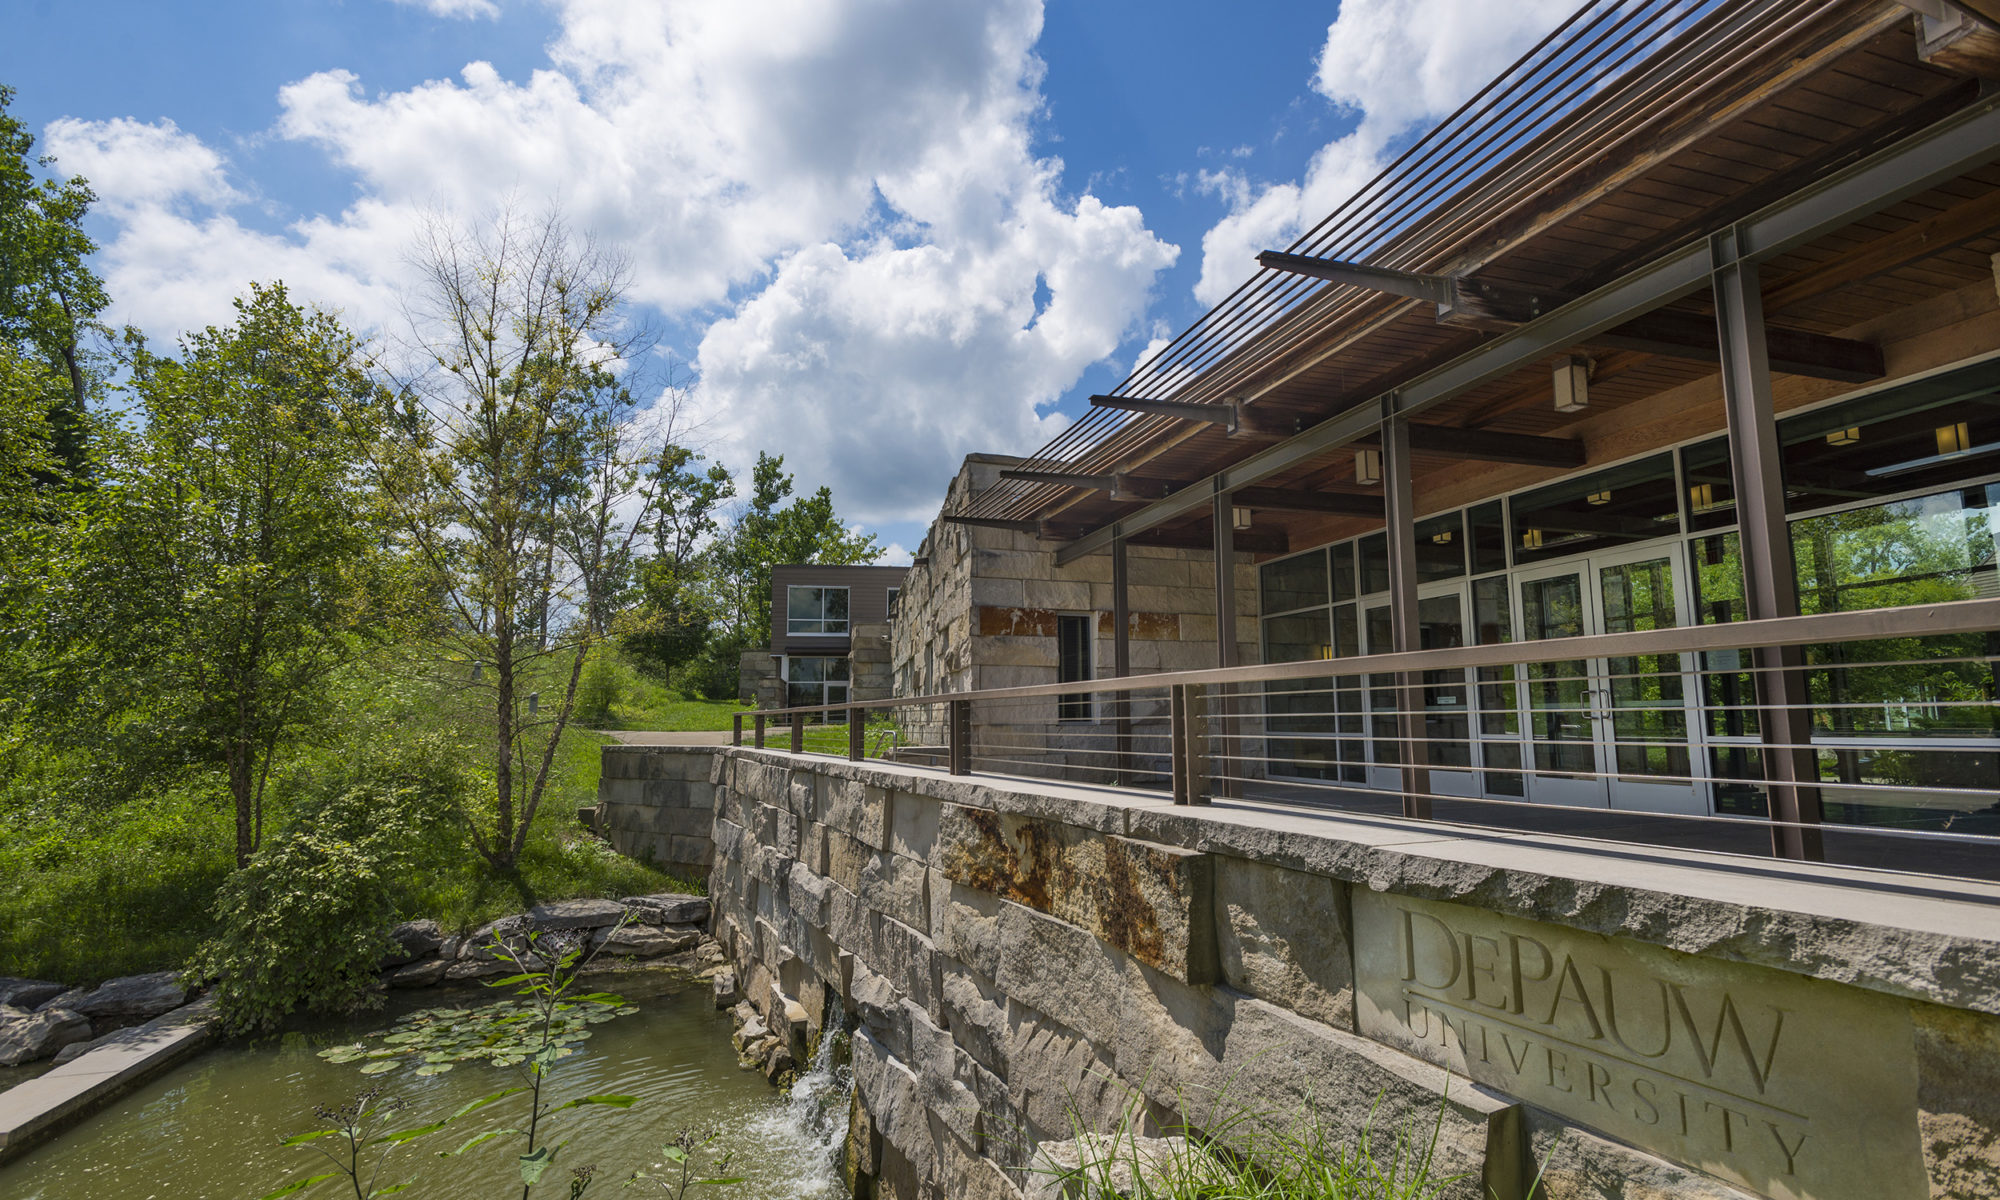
640,701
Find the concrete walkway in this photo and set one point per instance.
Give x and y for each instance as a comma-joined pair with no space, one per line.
31,1111
659,737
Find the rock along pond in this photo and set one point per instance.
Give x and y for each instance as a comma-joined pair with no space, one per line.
211,1127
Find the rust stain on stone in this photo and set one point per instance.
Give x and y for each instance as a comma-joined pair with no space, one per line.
1144,626
1126,917
995,621
996,865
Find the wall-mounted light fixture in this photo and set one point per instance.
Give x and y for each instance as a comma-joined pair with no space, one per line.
1603,497
1531,540
1442,537
1701,497
1239,517
1844,437
1954,439
1367,467
1572,383
1325,652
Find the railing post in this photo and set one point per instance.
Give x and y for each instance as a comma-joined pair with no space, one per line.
959,736
798,733
1187,708
758,731
736,729
857,746
1764,540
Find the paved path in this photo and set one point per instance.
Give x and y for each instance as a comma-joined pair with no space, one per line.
32,1110
656,737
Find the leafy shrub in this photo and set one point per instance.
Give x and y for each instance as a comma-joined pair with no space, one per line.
304,925
599,691
714,673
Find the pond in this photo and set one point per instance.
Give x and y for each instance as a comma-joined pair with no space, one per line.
211,1127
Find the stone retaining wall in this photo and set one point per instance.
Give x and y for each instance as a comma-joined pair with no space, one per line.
656,805
1650,1023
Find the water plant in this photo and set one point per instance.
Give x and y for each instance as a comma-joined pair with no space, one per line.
546,1024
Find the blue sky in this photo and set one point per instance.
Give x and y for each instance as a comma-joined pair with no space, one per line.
878,234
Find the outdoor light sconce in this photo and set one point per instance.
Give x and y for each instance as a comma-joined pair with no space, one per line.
1572,382
1367,467
1442,537
1603,497
1701,497
1531,540
1239,517
1954,439
1844,437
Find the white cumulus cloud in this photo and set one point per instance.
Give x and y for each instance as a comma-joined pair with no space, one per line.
1402,65
455,8
840,200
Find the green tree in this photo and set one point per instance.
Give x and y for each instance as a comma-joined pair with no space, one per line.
229,560
770,533
517,474
49,297
671,620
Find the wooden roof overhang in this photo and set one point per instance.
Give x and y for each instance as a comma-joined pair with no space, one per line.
1754,113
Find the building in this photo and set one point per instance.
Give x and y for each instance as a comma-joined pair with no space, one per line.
829,637
1691,317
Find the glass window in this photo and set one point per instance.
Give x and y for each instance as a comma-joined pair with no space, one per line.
1299,637
816,610
1073,665
1708,485
815,680
895,594
1922,437
1374,563
1618,506
1440,548
1486,534
1343,572
1294,583
1499,717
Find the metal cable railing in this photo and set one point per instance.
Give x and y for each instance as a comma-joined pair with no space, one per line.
1614,72
1678,737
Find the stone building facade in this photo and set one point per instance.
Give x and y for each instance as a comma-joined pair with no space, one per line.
983,608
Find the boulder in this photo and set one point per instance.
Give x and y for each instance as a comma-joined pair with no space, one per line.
73,1051
27,1037
1081,1169
131,998
414,940
28,993
575,914
644,941
727,993
778,1064
428,973
471,968
669,908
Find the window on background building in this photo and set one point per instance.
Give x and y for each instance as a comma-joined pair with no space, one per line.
815,679
816,610
1073,664
895,594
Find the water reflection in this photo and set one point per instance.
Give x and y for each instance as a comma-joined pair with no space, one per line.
211,1128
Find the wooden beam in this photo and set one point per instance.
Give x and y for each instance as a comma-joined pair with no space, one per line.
1345,504
1793,351
1933,235
1229,416
1121,487
1488,446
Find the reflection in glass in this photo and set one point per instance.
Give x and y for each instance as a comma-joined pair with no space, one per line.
1706,485
1486,534
1343,572
1559,719
1648,708
1447,720
1374,563
1440,548
1293,583
1499,718
1300,706
1382,700
1604,510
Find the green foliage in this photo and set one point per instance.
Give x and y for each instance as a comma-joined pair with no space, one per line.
599,691
676,606
226,561
770,533
303,926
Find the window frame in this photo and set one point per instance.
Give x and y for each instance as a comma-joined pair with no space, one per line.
793,621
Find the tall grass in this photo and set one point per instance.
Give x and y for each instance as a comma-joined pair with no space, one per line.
1248,1153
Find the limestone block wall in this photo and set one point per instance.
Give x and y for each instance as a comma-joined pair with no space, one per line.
980,611
870,676
657,805
1018,957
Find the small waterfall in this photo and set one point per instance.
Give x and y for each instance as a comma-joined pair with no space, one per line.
811,1123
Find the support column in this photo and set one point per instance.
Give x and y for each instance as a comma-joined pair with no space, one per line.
1764,543
1121,661
1400,518
1222,704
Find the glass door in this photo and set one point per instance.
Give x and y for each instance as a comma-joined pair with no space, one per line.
1560,694
1643,715
1609,732
1445,717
